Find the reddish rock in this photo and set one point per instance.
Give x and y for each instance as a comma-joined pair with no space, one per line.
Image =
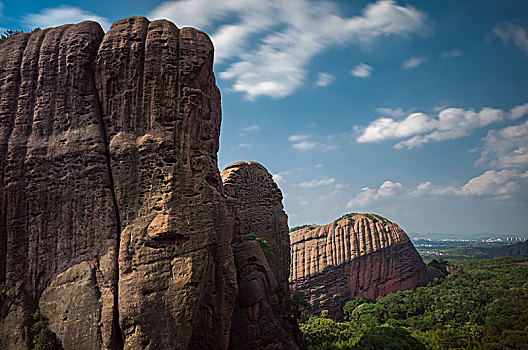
114,221
356,256
256,202
57,211
161,109
112,216
261,306
256,323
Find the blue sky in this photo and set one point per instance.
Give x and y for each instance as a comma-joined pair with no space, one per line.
415,110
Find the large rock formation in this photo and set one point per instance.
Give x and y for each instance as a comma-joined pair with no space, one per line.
112,217
358,255
256,203
59,235
261,306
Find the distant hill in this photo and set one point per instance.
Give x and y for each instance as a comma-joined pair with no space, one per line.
517,249
480,235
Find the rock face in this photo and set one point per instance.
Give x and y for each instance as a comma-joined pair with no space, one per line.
113,221
256,320
161,109
358,255
59,235
261,308
256,202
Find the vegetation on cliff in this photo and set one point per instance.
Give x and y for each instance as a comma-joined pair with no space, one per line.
482,308
9,33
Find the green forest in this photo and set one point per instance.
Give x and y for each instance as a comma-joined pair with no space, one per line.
485,307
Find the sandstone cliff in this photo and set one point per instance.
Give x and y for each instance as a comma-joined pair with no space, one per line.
112,218
261,307
256,203
358,255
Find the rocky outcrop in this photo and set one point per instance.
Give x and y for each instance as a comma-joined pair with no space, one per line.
161,109
112,217
261,307
256,203
358,255
59,234
256,322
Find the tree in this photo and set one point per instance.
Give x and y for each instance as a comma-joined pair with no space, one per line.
387,337
9,33
351,305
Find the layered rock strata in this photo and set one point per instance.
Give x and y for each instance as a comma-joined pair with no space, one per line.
261,307
112,217
355,256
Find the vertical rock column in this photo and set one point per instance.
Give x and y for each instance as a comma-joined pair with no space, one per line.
261,305
161,108
58,232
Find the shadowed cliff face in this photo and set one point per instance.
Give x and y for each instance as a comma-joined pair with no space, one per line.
261,307
112,218
357,256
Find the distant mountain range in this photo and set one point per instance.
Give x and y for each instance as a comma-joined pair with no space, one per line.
481,235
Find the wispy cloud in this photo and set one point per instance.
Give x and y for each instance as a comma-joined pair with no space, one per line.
508,31
245,145
362,70
305,142
451,54
506,148
289,34
317,183
253,127
413,62
419,128
391,112
324,79
388,189
498,184
278,178
64,14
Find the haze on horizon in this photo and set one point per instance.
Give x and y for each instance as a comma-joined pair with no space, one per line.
415,110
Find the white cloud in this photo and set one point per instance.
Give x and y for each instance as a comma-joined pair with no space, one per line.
304,145
427,188
317,183
388,189
451,54
251,128
288,34
297,138
324,79
245,145
278,178
318,166
391,112
413,62
307,142
506,148
64,14
419,128
519,111
362,70
388,128
492,183
512,32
